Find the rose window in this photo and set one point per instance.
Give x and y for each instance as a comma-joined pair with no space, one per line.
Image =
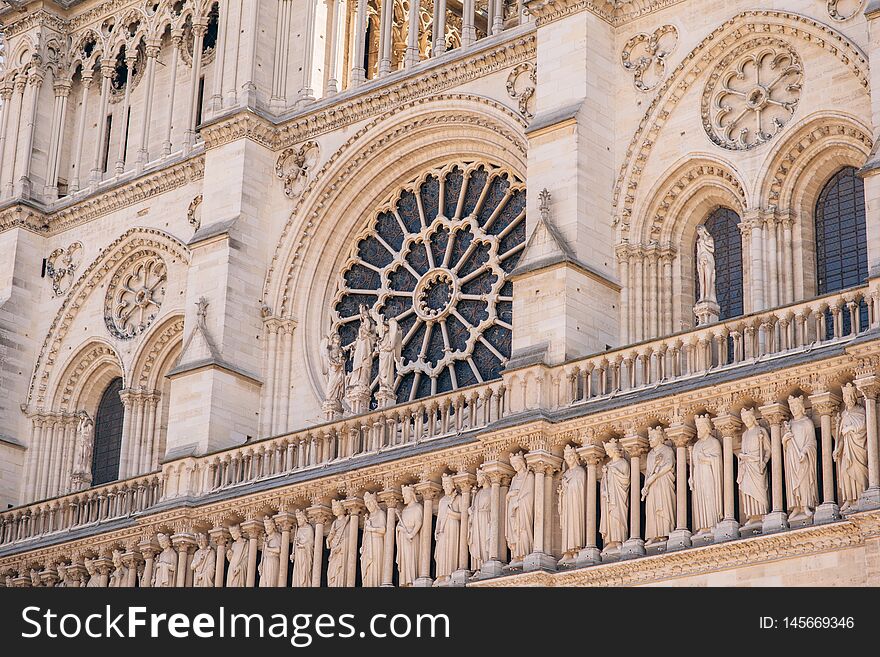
752,97
135,295
437,256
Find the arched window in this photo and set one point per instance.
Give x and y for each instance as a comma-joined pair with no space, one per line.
108,435
723,226
841,245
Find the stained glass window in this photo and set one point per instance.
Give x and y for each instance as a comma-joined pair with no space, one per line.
108,435
723,226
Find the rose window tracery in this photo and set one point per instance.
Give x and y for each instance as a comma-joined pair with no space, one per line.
750,98
135,295
437,257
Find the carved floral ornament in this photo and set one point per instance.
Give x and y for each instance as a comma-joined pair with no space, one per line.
294,167
135,294
61,265
843,10
751,97
644,55
521,85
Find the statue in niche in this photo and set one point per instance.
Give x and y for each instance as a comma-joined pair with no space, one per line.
120,572
85,442
203,564
571,504
706,265
236,555
63,577
373,542
800,456
520,509
337,542
360,377
35,578
271,555
614,497
479,518
303,552
658,492
165,566
389,350
408,529
752,473
851,449
705,481
334,370
447,529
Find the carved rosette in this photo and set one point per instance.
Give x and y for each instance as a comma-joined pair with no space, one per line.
750,97
644,55
61,265
135,295
437,256
843,10
294,167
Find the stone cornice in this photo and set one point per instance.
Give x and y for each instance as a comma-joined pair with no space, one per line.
615,12
47,221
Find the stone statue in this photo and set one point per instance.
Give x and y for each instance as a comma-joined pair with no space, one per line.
447,529
337,542
520,509
334,370
389,350
658,491
120,572
373,542
271,555
752,475
303,552
63,581
799,445
165,565
35,578
203,564
706,475
479,518
706,265
85,442
571,504
614,497
851,449
409,524
360,377
236,555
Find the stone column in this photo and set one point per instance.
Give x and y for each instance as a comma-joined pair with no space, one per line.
306,93
592,455
429,490
729,427
184,544
411,57
330,54
221,537
97,173
438,28
35,82
252,529
355,507
543,464
149,548
5,99
358,73
777,520
14,109
385,36
62,93
286,522
130,559
635,446
499,474
869,386
199,28
465,481
143,154
392,499
126,104
681,436
754,225
826,404
81,132
321,516
176,41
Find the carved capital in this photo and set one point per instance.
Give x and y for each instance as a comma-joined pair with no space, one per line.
320,513
727,425
774,413
543,461
825,403
681,434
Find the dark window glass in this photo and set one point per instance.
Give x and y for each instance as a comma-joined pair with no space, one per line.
108,435
841,245
723,226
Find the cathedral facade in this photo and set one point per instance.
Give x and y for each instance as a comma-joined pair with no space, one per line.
439,292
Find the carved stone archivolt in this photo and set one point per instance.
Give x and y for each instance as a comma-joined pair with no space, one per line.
843,10
61,266
436,257
135,294
295,165
644,55
521,84
750,97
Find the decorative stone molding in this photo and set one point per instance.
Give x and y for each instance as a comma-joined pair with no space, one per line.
749,98
614,12
520,91
724,39
159,343
194,212
644,55
135,294
843,10
294,167
61,265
